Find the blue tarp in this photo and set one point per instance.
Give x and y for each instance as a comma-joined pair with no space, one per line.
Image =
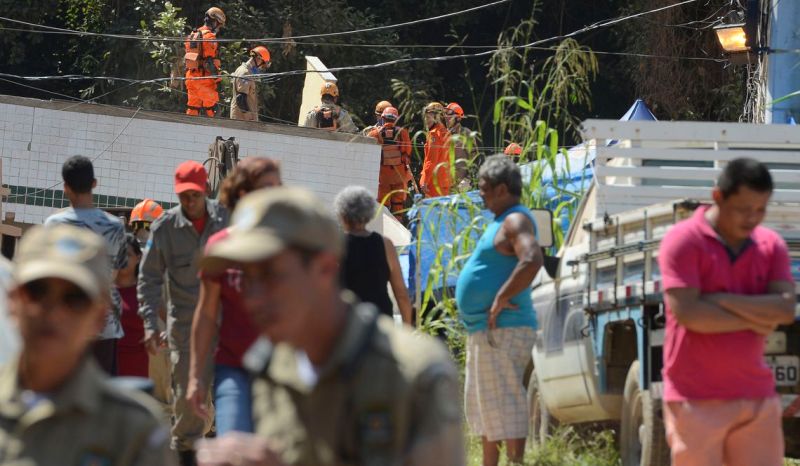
449,225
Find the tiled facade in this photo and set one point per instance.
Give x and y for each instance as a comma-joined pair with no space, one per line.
135,157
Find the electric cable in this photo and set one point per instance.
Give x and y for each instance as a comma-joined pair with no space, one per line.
67,31
596,25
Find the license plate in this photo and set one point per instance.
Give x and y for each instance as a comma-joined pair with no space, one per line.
785,369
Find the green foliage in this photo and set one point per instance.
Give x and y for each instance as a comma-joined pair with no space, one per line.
532,109
681,89
541,92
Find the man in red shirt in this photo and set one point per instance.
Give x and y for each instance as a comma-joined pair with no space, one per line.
727,284
170,258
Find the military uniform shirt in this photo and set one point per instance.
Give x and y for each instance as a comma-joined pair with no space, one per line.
172,253
86,422
345,121
385,397
244,85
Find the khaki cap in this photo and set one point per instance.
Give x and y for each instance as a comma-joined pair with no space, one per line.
75,254
268,221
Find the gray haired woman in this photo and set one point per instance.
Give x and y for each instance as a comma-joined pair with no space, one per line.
370,260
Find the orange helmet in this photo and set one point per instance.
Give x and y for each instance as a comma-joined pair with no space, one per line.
390,114
216,14
382,105
146,211
262,52
330,89
513,149
455,109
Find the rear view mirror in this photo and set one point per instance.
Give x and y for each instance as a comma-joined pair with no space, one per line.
544,227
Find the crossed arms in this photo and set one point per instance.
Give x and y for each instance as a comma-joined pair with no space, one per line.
728,312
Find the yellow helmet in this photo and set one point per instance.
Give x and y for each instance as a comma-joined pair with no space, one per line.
330,89
382,105
216,14
434,107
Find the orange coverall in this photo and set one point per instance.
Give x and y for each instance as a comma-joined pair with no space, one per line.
394,177
203,95
436,167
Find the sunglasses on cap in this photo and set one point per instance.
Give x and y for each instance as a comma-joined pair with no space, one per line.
73,298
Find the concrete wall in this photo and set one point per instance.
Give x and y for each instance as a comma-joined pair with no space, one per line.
135,154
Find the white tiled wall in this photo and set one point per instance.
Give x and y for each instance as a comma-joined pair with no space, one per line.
137,157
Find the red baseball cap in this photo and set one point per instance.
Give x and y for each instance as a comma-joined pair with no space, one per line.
190,176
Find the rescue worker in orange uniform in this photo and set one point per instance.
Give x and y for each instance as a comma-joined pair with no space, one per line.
395,159
379,108
435,180
201,60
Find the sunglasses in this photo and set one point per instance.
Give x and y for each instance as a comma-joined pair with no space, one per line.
73,298
141,225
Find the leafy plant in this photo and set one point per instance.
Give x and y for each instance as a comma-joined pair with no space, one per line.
167,56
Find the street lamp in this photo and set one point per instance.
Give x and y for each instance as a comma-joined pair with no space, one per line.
732,37
739,38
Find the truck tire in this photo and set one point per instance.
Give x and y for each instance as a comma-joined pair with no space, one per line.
642,439
542,424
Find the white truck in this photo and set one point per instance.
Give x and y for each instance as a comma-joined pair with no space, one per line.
598,357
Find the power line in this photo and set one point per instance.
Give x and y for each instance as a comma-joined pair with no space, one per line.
67,31
597,25
472,47
456,46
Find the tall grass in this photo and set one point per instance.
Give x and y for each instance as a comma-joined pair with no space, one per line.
454,224
565,448
534,100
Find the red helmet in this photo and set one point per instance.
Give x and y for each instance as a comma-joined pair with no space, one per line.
146,211
390,114
513,149
454,108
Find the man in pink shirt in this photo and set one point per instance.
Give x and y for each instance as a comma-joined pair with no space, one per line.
727,285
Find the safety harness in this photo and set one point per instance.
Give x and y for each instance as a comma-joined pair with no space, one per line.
390,154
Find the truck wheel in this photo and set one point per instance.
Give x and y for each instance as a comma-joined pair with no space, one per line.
642,438
541,424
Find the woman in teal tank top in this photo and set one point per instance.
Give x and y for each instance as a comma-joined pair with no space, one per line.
483,275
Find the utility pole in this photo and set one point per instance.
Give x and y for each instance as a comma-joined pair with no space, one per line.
783,67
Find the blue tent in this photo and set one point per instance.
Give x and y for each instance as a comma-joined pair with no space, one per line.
447,227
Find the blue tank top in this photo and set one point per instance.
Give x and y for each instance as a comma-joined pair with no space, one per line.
483,275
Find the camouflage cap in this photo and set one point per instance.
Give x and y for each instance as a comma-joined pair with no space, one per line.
268,221
75,254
